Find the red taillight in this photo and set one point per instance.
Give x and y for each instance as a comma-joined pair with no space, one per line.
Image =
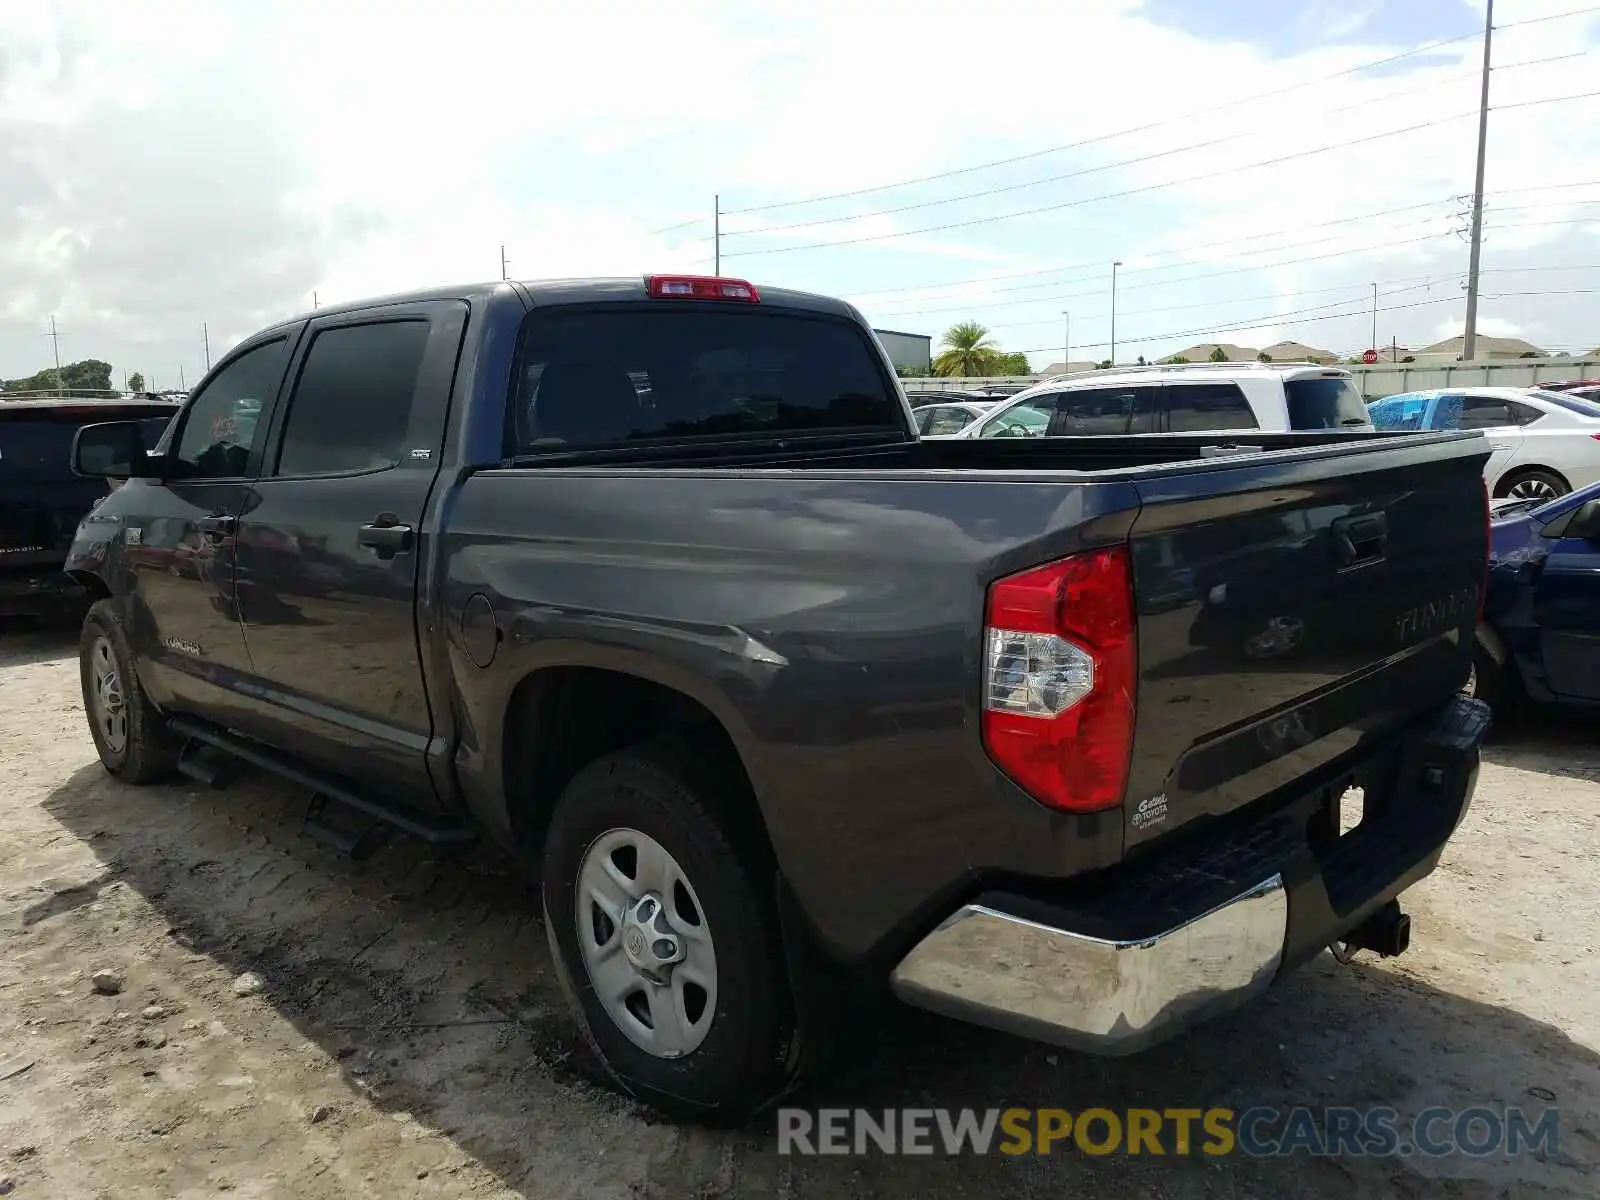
700,287
1060,672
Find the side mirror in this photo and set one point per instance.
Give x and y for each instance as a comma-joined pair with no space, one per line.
111,450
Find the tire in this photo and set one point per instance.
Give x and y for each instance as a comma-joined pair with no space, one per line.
1532,483
129,733
741,1052
1492,683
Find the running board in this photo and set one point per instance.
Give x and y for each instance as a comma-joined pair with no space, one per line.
430,827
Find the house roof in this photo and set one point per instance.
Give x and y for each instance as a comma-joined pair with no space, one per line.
1065,368
1202,352
1298,352
1513,347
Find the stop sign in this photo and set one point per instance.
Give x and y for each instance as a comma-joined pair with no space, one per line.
1370,357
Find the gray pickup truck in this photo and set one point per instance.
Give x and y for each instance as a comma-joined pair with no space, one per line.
651,581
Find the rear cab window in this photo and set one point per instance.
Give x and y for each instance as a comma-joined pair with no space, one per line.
1328,402
598,377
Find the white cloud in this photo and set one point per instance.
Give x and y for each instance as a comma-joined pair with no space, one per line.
179,161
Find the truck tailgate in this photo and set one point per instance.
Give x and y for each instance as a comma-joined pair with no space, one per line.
1280,625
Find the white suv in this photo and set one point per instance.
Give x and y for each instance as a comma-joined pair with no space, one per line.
1182,398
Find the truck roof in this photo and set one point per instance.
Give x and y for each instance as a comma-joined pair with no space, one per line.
573,291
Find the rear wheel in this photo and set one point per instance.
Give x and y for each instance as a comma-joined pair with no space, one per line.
1490,681
663,926
129,733
1534,483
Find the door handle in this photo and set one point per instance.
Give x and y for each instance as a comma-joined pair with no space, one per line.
387,536
217,528
1360,540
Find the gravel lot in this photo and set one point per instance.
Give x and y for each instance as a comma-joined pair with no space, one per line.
409,1038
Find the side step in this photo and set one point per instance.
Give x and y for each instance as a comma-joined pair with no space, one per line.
430,827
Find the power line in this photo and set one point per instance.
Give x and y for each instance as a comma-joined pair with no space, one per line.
1411,282
1426,48
1056,297
1127,162
1106,137
1275,318
1100,263
1153,187
1321,241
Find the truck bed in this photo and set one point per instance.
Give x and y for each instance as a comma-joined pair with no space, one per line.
825,601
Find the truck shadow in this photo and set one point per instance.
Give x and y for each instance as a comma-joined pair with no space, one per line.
428,981
28,640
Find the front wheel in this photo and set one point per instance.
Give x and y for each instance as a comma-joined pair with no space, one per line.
663,928
129,733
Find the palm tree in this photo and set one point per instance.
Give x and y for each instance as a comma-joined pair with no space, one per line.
969,351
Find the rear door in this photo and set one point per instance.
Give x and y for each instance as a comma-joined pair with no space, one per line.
328,550
1567,612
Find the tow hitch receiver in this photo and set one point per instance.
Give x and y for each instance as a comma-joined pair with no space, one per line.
1387,932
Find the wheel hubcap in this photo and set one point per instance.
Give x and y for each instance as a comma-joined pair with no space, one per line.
106,699
645,943
1533,489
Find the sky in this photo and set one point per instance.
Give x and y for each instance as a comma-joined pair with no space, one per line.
179,170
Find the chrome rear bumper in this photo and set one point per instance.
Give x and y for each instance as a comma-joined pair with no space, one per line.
1106,997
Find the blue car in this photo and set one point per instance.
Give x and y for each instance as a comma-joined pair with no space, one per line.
1539,639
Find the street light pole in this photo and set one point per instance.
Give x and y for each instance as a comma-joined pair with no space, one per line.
1469,339
1374,342
1114,267
1066,343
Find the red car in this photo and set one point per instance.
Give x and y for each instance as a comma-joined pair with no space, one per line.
1568,385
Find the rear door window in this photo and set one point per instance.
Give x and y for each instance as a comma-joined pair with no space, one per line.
608,377
1204,407
1085,412
1331,402
1488,412
1583,401
947,420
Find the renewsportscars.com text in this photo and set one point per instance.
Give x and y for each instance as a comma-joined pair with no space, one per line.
1256,1132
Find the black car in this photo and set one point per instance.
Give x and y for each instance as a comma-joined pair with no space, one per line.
42,498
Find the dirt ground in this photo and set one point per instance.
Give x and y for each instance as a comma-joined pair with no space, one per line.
410,1040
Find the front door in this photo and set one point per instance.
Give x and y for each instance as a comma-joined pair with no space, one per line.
1567,609
179,536
328,553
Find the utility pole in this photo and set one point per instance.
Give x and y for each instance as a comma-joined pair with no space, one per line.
313,300
205,335
1114,267
503,260
1469,340
716,234
55,340
182,386
1374,342
1066,343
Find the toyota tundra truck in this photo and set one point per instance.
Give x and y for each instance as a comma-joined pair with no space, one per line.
651,581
